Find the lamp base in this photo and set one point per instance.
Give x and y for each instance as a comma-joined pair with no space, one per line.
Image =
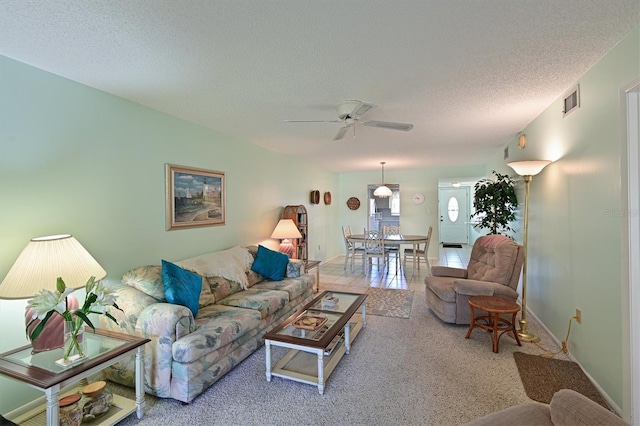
52,335
526,336
287,248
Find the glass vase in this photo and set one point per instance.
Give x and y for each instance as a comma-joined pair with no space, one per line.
74,342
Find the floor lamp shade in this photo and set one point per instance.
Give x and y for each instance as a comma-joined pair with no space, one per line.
530,167
285,230
43,261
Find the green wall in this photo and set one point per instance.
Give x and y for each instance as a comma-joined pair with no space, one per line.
575,217
76,160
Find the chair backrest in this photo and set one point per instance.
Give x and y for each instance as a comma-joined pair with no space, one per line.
426,246
391,230
373,242
346,233
496,258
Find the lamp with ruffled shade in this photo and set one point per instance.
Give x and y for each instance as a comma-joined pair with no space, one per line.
38,267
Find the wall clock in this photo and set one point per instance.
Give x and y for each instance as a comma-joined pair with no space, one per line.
327,198
353,203
417,198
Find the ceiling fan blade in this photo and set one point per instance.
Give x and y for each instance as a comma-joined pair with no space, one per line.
389,125
341,133
312,121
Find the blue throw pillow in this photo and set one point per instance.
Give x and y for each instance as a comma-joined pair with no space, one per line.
181,287
271,264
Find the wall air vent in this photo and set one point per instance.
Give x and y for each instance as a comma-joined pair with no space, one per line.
571,100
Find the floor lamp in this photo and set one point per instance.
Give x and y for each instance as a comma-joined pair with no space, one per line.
526,169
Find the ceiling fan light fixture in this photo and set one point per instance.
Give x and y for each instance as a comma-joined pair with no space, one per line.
382,191
354,109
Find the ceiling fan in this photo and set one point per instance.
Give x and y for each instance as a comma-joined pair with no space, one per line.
351,112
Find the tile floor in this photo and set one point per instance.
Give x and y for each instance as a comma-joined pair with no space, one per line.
334,277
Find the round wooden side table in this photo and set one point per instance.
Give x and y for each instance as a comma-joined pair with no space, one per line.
494,306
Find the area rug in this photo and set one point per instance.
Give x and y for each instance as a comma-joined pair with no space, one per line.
387,302
542,377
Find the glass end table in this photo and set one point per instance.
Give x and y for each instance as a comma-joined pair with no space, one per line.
40,371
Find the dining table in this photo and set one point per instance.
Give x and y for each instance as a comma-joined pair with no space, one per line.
397,239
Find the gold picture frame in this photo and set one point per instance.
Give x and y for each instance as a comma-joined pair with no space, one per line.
194,197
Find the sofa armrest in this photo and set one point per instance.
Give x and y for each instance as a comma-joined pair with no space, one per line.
447,271
570,407
171,322
163,323
131,302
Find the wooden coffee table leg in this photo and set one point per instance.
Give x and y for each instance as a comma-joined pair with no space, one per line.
473,322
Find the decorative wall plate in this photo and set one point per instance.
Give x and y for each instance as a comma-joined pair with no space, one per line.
315,197
327,198
353,203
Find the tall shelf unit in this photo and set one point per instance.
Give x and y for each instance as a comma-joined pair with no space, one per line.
298,214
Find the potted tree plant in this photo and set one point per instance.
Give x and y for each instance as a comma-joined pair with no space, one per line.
495,204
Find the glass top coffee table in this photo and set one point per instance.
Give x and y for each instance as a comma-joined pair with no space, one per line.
318,335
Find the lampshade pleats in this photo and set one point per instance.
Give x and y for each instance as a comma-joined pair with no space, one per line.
45,259
286,229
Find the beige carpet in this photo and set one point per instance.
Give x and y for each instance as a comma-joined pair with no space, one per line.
386,302
542,377
410,372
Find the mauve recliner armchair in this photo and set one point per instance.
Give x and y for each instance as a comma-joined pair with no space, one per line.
493,270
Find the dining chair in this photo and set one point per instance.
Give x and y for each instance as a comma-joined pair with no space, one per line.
374,247
421,253
352,250
390,230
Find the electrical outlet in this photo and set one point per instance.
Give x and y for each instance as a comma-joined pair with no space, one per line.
318,247
579,315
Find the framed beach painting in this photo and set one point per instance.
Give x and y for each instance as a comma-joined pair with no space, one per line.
195,197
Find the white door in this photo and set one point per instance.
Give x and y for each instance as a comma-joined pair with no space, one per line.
454,215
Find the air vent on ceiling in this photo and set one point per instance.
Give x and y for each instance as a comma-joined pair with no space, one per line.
571,100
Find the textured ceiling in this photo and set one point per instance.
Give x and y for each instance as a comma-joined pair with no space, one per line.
468,74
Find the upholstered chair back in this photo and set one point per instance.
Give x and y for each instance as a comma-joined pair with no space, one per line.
496,258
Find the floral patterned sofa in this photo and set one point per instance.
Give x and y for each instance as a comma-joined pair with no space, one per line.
236,307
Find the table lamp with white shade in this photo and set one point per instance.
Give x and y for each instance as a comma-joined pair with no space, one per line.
38,267
285,230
